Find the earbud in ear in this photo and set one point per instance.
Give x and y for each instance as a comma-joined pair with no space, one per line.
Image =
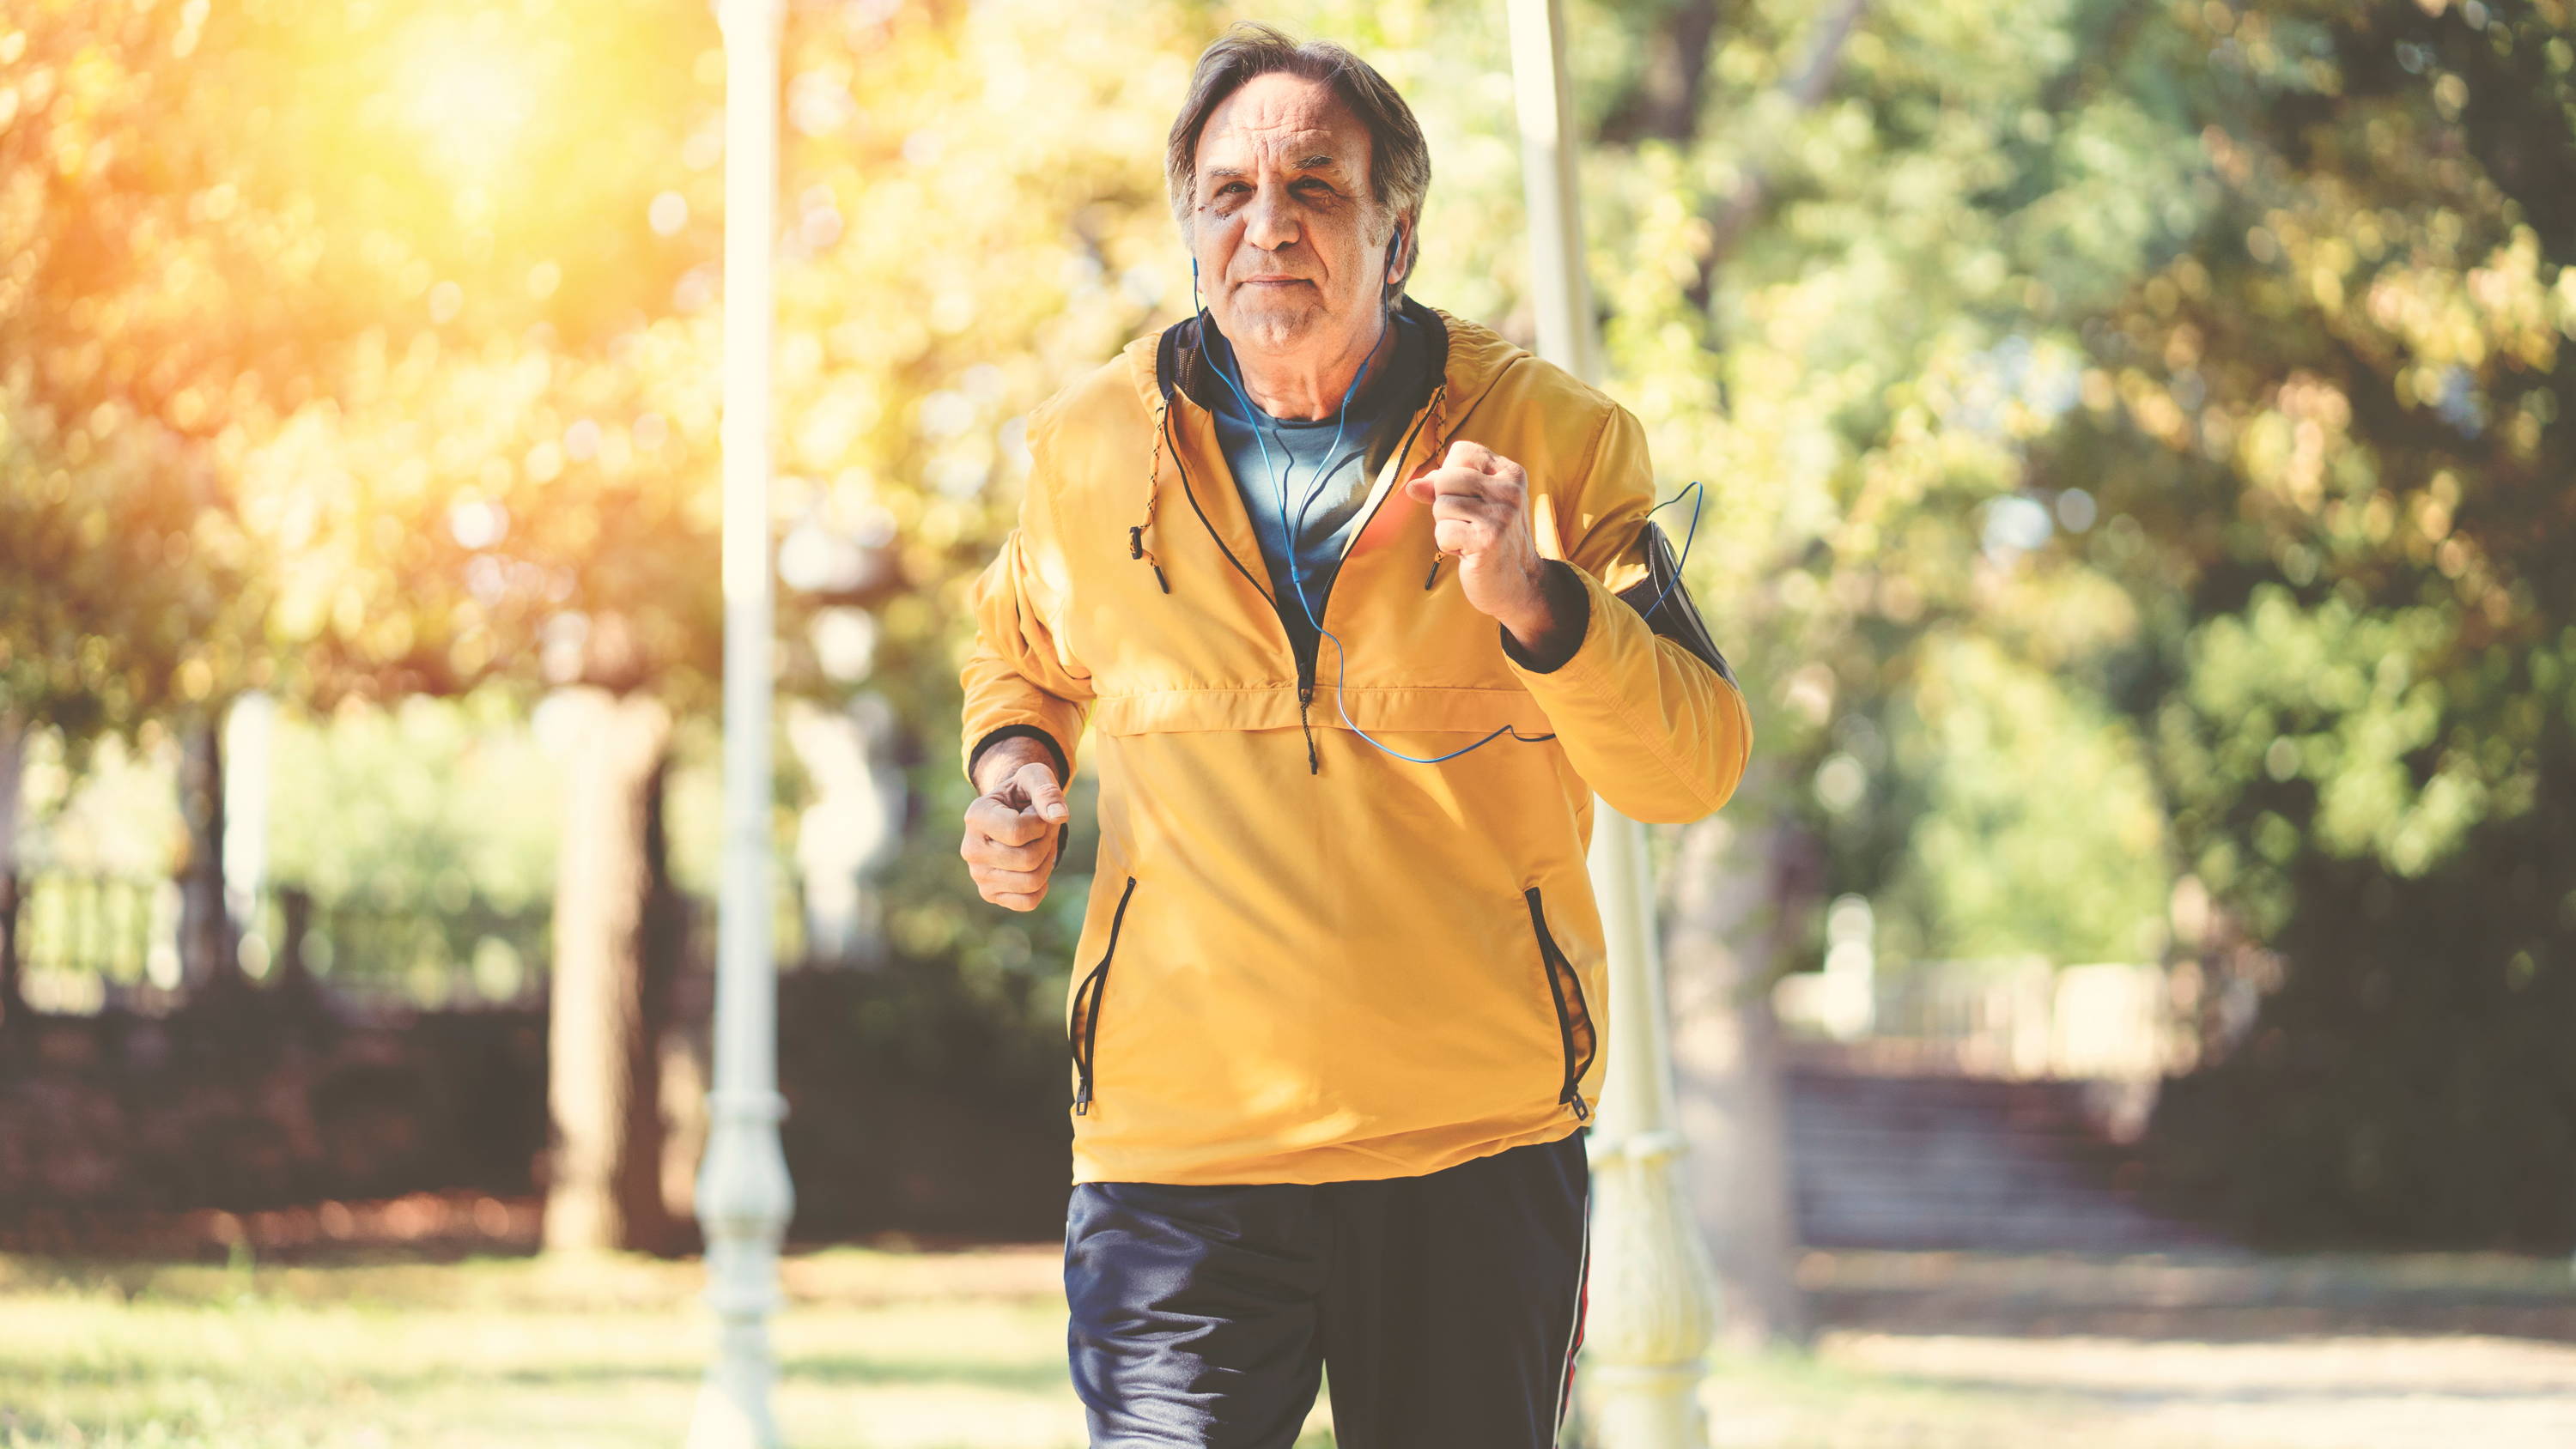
1395,253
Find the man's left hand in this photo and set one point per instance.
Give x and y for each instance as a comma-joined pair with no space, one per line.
1480,512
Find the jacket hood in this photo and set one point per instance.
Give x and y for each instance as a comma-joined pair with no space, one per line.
1467,359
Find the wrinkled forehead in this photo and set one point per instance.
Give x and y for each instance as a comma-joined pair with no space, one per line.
1283,122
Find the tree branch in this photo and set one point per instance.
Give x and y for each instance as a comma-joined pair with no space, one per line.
1803,91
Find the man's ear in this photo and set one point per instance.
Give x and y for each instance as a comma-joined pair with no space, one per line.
1404,243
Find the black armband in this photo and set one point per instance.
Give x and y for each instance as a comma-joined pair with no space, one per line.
1665,602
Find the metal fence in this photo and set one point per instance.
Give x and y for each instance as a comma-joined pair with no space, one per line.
85,940
2023,1017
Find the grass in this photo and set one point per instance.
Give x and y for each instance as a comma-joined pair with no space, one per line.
965,1350
873,1351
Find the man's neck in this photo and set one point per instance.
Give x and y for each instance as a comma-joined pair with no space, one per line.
1308,384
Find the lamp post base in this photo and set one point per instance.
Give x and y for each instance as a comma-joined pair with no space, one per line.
744,1199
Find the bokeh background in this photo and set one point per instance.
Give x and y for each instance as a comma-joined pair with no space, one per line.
2133,994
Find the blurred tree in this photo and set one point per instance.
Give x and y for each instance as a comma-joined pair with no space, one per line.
254,255
2332,436
522,483
1844,252
128,590
528,493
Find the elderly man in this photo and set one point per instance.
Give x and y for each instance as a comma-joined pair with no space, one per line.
1362,604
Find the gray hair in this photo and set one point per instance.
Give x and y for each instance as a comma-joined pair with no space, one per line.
1399,159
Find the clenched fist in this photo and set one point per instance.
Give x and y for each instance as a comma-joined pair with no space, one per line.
1480,512
1011,829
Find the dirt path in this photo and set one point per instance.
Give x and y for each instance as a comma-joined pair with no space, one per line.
2326,1393
2220,1351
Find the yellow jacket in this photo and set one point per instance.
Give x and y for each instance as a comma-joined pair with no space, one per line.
1303,959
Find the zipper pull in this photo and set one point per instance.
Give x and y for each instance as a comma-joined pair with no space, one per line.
1574,1098
1434,576
1082,1099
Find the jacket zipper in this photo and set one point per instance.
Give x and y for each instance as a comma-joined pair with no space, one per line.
1306,663
1566,989
1305,675
1307,666
1086,1007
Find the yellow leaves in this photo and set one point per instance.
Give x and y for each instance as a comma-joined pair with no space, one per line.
192,25
2182,346
390,634
2098,391
2450,96
2379,517
2228,158
407,479
2446,317
471,652
2154,410
2433,507
2306,395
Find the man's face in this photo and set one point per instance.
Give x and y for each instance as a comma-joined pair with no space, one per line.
1291,249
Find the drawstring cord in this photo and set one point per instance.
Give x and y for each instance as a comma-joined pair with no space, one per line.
1153,494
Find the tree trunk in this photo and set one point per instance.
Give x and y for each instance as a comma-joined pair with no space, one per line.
209,959
1726,1076
13,758
613,954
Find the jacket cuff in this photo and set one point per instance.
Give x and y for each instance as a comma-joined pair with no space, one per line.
1055,752
1570,605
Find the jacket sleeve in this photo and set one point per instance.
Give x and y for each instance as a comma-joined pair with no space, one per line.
1019,677
1644,705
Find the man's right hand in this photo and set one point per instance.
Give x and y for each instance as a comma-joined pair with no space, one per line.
1011,828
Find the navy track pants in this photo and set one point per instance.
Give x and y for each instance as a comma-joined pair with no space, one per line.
1447,1306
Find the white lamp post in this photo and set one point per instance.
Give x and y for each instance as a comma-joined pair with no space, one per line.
1653,1294
743,1196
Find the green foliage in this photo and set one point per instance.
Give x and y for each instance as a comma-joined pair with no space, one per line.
427,805
2040,829
2337,420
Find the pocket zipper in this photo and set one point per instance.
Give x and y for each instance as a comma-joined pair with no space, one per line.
1565,987
1085,1026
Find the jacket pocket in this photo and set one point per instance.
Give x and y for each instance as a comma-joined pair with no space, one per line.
1574,1029
1085,1025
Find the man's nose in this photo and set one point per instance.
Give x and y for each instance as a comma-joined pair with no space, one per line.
1269,223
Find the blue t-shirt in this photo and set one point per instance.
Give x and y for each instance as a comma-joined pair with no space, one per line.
1319,468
